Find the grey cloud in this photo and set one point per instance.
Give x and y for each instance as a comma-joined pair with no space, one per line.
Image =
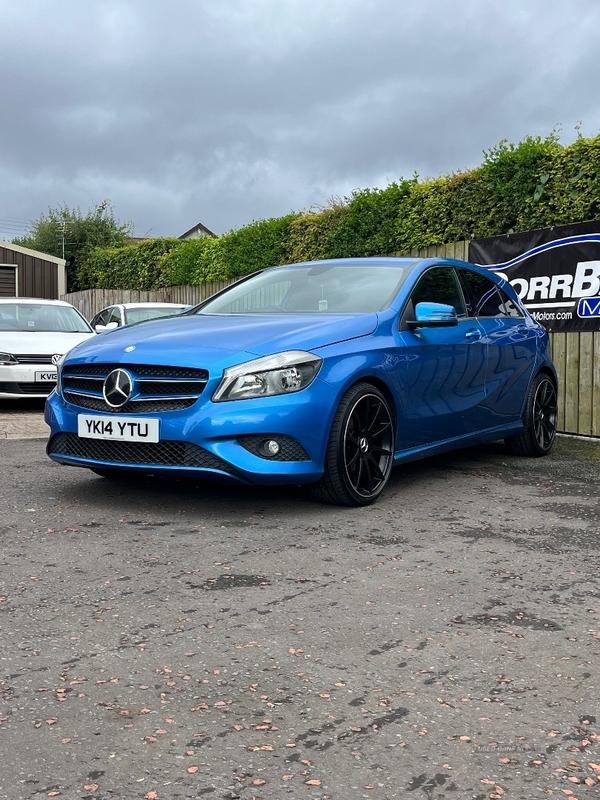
225,113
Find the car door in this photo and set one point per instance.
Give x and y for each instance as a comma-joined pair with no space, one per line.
512,345
445,367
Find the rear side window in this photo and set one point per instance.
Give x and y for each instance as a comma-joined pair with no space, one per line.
484,298
507,307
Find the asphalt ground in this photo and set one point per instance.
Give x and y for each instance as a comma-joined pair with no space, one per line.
167,640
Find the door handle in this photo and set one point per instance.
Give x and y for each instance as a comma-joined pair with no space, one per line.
522,328
473,334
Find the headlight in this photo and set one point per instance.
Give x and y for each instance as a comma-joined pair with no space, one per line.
282,373
6,359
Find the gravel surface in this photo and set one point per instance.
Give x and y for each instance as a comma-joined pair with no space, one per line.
164,640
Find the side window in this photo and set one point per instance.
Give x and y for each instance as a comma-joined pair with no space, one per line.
507,307
100,319
483,296
439,285
115,315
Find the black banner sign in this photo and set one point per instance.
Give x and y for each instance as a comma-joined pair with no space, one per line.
555,272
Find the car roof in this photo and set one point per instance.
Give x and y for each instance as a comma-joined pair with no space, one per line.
41,300
360,262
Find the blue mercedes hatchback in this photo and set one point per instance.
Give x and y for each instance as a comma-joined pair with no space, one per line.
324,373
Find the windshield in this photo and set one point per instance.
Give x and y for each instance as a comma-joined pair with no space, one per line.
315,289
142,314
41,317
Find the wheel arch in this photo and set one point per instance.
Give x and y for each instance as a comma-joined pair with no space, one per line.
385,391
542,369
361,445
545,370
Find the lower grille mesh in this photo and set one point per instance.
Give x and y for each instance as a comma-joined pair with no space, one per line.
41,387
164,453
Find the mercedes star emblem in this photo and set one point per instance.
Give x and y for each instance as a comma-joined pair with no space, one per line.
117,388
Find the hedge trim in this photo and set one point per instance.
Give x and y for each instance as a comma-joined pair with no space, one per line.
535,184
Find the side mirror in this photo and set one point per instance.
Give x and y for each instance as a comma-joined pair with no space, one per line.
108,327
433,315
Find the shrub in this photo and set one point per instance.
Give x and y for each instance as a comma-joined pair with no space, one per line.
537,183
134,266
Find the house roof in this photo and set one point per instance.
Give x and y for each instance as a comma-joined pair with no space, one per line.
35,253
198,228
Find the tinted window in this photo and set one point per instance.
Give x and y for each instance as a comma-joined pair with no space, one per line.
484,298
439,285
507,307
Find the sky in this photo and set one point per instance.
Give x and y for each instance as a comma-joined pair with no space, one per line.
225,112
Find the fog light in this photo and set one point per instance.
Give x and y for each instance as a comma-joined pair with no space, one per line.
271,447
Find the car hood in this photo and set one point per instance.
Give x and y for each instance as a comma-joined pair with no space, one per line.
40,343
206,340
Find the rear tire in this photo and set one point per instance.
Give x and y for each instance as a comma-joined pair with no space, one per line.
360,450
539,420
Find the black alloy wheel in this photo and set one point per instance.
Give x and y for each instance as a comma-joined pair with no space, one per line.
539,419
360,451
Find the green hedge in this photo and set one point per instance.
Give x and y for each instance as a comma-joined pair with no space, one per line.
134,266
537,183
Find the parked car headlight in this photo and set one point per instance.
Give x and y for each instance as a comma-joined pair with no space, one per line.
7,359
282,373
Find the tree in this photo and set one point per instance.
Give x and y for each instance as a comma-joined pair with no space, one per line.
68,234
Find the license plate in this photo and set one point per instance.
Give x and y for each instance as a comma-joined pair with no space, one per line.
45,377
123,429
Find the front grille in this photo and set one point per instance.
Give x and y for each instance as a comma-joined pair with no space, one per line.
140,406
170,387
290,450
164,453
155,388
142,370
33,359
44,387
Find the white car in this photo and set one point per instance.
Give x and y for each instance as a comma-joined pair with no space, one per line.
127,313
34,334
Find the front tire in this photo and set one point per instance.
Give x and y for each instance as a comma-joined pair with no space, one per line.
539,420
360,450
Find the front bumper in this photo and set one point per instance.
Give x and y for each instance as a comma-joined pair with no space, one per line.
26,380
219,440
